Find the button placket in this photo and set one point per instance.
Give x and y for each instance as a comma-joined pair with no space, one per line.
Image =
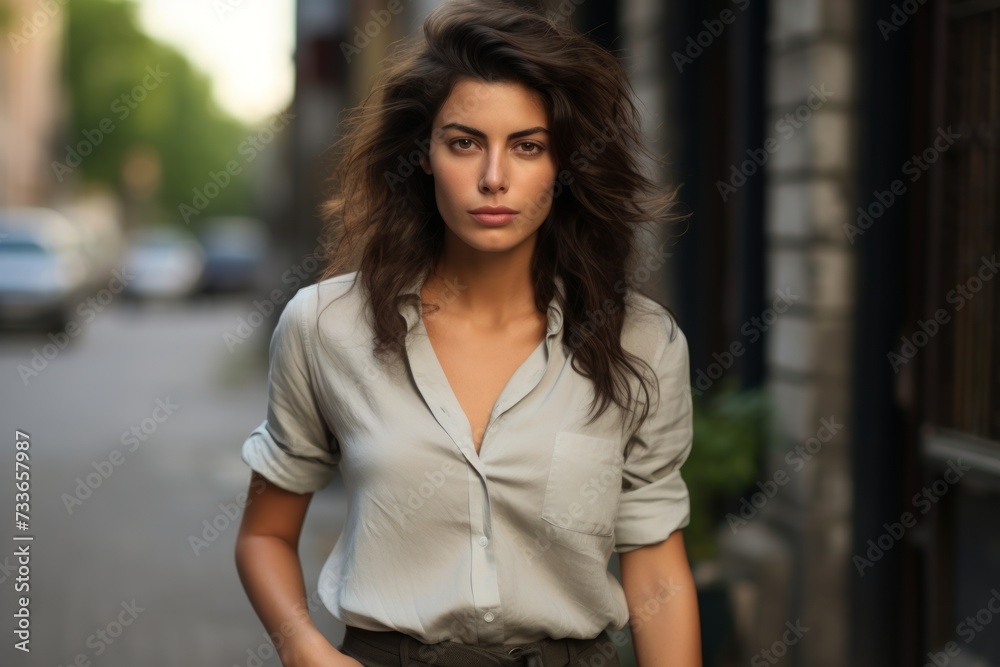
485,583
433,385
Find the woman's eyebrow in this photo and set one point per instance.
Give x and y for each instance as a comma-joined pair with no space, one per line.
482,135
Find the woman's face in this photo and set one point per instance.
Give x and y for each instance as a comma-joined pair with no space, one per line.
490,147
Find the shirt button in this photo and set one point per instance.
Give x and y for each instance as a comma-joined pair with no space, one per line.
483,541
488,617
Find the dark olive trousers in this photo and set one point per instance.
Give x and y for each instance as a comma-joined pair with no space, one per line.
397,649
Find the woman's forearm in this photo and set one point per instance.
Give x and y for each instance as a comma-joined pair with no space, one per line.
663,604
665,626
271,573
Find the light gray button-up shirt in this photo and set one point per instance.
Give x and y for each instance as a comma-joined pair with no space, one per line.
506,546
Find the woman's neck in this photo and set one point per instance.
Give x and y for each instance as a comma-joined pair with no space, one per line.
488,288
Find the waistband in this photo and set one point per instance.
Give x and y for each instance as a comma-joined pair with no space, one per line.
543,653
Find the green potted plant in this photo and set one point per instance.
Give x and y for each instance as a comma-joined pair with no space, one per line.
732,429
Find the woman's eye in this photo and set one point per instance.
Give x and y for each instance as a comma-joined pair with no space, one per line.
529,147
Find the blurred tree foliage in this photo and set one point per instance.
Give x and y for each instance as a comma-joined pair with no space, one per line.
109,65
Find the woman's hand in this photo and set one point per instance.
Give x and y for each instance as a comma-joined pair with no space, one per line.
313,650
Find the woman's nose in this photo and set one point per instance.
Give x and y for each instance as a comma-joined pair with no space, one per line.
494,178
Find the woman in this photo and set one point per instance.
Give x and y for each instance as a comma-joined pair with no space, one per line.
490,189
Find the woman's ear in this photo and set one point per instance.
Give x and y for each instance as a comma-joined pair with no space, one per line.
425,164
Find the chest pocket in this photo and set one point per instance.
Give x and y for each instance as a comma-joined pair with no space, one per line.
584,484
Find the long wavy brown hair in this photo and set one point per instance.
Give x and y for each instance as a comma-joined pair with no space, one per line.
382,219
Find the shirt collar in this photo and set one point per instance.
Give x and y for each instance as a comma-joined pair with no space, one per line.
410,306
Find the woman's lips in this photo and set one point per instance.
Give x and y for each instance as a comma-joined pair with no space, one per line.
494,219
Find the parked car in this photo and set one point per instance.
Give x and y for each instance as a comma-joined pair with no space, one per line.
235,253
43,269
162,262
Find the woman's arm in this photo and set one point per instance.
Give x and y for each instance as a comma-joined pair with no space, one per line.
267,560
663,605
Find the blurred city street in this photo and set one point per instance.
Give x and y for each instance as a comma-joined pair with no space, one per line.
113,532
169,179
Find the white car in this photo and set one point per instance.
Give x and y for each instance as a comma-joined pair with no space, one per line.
163,262
43,268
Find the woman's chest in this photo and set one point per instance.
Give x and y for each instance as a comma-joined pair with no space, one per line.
478,370
540,460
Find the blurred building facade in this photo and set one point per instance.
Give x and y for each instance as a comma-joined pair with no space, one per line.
840,160
30,99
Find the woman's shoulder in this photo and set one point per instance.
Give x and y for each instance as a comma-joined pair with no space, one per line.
335,301
650,328
336,289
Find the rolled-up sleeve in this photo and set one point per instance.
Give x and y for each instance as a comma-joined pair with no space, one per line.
293,447
655,500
